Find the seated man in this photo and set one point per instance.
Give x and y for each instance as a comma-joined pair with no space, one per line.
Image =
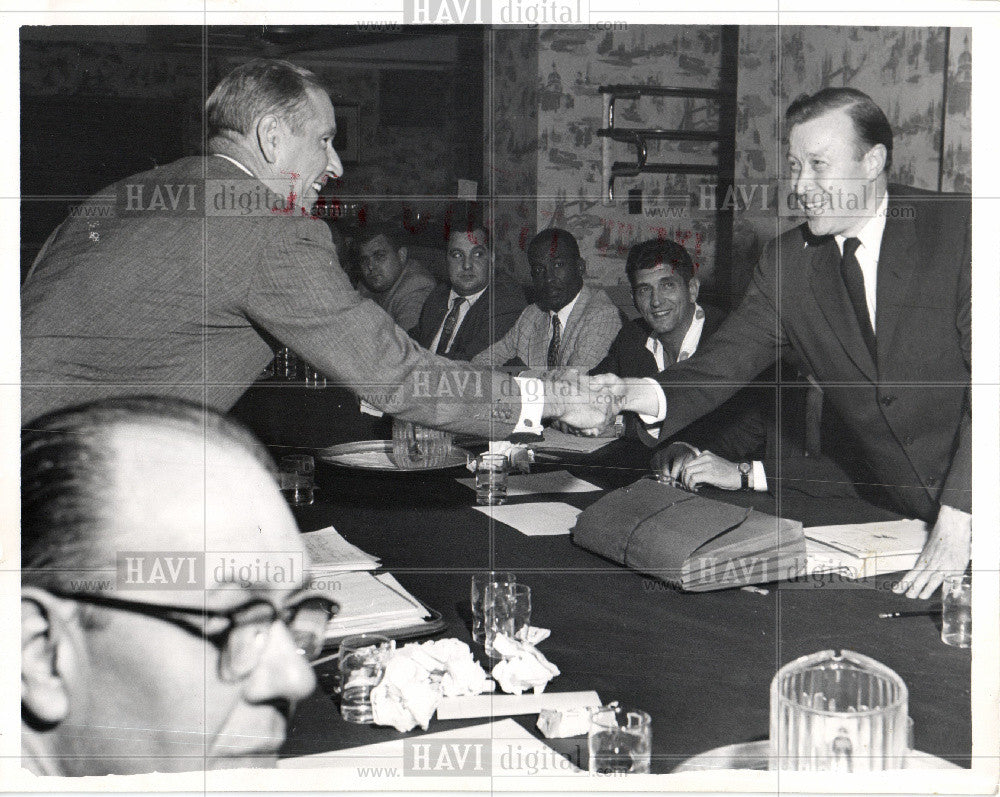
569,325
669,329
461,319
398,285
142,651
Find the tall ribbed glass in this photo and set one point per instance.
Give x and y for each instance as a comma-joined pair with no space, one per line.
838,711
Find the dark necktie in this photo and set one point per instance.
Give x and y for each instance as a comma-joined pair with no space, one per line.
554,343
449,326
854,281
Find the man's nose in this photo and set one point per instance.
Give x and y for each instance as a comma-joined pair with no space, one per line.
282,673
333,164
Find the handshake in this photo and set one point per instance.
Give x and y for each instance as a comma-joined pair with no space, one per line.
586,405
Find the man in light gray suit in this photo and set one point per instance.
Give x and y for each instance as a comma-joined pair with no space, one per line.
169,293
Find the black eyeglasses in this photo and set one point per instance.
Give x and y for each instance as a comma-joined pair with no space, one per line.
240,634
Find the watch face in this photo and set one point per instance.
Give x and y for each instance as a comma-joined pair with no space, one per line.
744,467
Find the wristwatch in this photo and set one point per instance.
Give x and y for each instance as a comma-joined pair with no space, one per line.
744,468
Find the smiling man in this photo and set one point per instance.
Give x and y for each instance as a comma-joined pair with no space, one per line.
127,667
872,293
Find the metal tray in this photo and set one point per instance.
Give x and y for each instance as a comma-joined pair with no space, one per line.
377,455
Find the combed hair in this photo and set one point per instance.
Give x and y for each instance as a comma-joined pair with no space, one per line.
67,473
258,88
471,216
393,234
870,125
551,236
657,252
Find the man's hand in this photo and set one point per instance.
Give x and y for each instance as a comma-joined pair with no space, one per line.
706,468
948,550
588,404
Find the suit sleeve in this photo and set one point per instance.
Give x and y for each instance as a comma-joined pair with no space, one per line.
300,295
595,338
747,342
957,489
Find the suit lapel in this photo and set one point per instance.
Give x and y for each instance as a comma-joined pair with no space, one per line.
480,310
897,267
831,296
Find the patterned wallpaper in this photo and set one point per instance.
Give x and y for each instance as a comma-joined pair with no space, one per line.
572,64
902,69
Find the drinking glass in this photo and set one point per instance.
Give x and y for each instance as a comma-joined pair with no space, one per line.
416,446
477,593
956,611
362,664
314,378
506,610
619,741
491,479
840,712
297,479
286,364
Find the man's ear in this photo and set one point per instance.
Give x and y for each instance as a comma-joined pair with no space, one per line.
694,285
582,265
44,662
401,253
268,135
875,161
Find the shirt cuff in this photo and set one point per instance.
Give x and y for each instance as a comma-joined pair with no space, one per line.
661,405
960,514
532,405
759,477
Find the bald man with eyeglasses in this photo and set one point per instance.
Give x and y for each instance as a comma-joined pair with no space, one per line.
167,622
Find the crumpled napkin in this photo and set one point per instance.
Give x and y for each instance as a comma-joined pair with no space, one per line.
523,667
418,675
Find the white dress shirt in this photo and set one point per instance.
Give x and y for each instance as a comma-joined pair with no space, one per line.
564,315
867,254
463,311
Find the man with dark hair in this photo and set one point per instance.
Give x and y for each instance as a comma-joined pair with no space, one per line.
166,620
479,304
569,325
390,278
172,291
872,292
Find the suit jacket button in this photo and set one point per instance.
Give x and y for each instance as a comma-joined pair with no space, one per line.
908,441
887,400
931,481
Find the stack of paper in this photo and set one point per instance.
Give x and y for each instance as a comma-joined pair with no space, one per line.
330,553
860,550
370,603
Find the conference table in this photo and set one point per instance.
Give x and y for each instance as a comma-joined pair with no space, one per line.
699,663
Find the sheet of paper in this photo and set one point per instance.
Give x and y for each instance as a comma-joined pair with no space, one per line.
468,189
560,441
388,758
368,601
330,552
866,539
494,705
559,481
534,520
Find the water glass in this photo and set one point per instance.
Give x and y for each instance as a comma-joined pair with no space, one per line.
297,479
506,610
314,378
362,665
286,364
619,741
491,479
479,582
416,446
840,712
956,611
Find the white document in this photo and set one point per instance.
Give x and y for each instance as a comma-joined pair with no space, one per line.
468,189
511,748
371,603
861,550
493,705
534,520
559,481
329,552
560,441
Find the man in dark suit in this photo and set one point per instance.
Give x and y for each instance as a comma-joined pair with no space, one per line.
171,292
462,318
670,328
872,293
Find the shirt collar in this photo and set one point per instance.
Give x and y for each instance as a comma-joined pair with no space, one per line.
235,163
472,298
691,338
871,234
567,311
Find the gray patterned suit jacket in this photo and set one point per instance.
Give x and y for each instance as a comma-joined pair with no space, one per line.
167,294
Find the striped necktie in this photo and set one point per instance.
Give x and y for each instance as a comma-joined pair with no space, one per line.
449,325
556,340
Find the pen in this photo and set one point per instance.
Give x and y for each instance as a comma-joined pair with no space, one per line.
894,615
